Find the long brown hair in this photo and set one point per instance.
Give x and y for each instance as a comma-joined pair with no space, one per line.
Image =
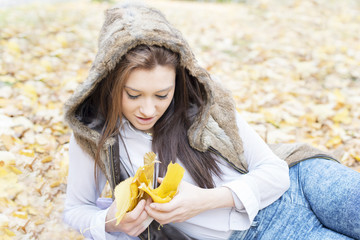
170,139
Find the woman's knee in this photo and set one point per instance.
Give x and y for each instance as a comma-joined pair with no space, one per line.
333,192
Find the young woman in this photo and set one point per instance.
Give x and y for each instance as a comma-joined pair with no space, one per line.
145,92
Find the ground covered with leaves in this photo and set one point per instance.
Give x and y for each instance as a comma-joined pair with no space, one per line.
293,68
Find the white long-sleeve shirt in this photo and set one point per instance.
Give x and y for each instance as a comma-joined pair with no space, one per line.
267,180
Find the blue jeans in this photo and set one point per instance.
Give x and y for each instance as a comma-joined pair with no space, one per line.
323,202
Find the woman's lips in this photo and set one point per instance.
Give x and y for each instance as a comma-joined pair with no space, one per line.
144,120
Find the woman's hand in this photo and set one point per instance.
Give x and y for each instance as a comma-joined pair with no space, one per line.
133,223
189,202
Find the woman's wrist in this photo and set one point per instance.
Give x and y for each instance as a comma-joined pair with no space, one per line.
110,219
216,198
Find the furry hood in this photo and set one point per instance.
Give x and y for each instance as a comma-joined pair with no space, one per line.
127,26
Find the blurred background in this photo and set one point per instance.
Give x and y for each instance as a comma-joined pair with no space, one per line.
293,67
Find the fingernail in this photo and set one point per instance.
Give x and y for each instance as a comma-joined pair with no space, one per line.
153,205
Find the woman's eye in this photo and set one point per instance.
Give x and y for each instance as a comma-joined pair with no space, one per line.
162,96
132,96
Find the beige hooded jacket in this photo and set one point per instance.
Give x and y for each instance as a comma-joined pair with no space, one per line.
214,128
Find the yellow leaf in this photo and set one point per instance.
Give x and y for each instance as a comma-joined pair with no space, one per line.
62,40
39,149
6,203
123,198
270,118
59,128
15,170
3,172
5,237
129,192
7,141
171,181
30,91
13,47
156,198
145,173
4,102
64,169
31,210
22,215
46,65
134,192
46,159
340,99
342,116
9,232
148,173
11,162
55,184
357,157
51,105
27,152
18,141
49,209
39,222
149,158
169,186
333,142
309,118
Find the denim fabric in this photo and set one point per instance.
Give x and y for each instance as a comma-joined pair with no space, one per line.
323,202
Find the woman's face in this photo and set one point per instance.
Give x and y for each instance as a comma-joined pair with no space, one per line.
147,94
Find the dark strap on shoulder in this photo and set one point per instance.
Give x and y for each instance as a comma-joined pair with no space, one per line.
120,173
157,232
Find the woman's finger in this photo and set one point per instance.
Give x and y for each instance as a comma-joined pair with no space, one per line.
161,217
141,219
143,227
135,213
160,179
164,207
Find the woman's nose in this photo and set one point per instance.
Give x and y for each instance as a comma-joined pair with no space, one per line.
147,108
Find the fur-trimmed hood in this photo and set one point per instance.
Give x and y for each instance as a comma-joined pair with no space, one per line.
128,26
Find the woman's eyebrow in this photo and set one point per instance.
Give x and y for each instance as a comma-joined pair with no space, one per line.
166,89
133,89
163,90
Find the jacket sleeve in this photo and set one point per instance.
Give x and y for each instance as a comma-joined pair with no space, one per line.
81,211
267,179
